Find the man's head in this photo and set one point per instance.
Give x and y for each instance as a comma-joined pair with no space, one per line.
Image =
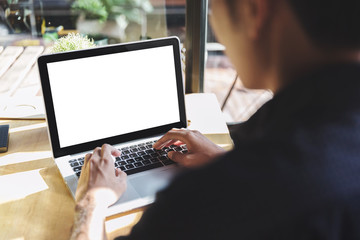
271,40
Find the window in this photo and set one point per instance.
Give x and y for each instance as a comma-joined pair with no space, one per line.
40,22
29,27
110,21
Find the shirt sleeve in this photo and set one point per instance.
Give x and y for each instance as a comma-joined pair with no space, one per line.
174,206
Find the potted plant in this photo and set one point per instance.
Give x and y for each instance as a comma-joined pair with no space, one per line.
72,42
109,17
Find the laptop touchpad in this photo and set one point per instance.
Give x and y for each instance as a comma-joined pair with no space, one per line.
150,184
129,195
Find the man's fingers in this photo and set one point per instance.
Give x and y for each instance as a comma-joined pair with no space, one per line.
120,173
108,151
97,151
94,157
173,135
176,156
172,142
115,152
168,143
117,172
161,145
178,143
87,158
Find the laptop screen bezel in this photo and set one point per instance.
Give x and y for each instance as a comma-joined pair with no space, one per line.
111,49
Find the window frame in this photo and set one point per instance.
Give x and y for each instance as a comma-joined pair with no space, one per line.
196,36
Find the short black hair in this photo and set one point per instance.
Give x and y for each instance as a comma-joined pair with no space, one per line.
329,23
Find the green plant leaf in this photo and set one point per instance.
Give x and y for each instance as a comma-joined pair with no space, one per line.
111,9
93,9
72,42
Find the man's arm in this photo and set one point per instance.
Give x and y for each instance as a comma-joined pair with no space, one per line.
89,221
99,187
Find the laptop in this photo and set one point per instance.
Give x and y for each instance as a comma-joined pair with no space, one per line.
127,95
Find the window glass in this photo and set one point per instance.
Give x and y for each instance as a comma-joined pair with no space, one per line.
107,21
28,28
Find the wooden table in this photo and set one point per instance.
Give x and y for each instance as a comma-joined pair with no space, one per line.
34,201
20,92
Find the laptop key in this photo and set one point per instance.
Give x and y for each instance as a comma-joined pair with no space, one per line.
147,157
76,169
130,161
150,151
74,164
138,159
122,163
178,149
133,155
168,162
141,153
122,168
161,152
146,162
78,174
154,160
125,157
144,168
138,164
154,155
134,150
129,166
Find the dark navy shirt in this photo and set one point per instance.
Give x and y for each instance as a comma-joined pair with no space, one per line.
294,172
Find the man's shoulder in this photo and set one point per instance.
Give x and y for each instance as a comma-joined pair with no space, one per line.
264,193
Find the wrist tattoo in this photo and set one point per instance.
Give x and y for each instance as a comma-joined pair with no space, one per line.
83,214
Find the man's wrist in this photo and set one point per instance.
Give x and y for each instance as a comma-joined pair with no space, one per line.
89,218
87,204
93,200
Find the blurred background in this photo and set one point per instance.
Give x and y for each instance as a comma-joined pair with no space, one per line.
206,68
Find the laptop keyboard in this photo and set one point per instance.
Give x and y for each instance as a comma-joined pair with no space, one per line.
137,158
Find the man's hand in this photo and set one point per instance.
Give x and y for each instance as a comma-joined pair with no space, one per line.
100,185
200,149
99,180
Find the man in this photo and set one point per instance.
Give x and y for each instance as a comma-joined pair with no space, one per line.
295,169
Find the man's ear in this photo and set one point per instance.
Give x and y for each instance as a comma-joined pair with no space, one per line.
257,14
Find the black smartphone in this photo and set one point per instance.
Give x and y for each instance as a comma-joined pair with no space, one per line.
4,138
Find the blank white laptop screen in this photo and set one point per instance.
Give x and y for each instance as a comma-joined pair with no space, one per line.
105,96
